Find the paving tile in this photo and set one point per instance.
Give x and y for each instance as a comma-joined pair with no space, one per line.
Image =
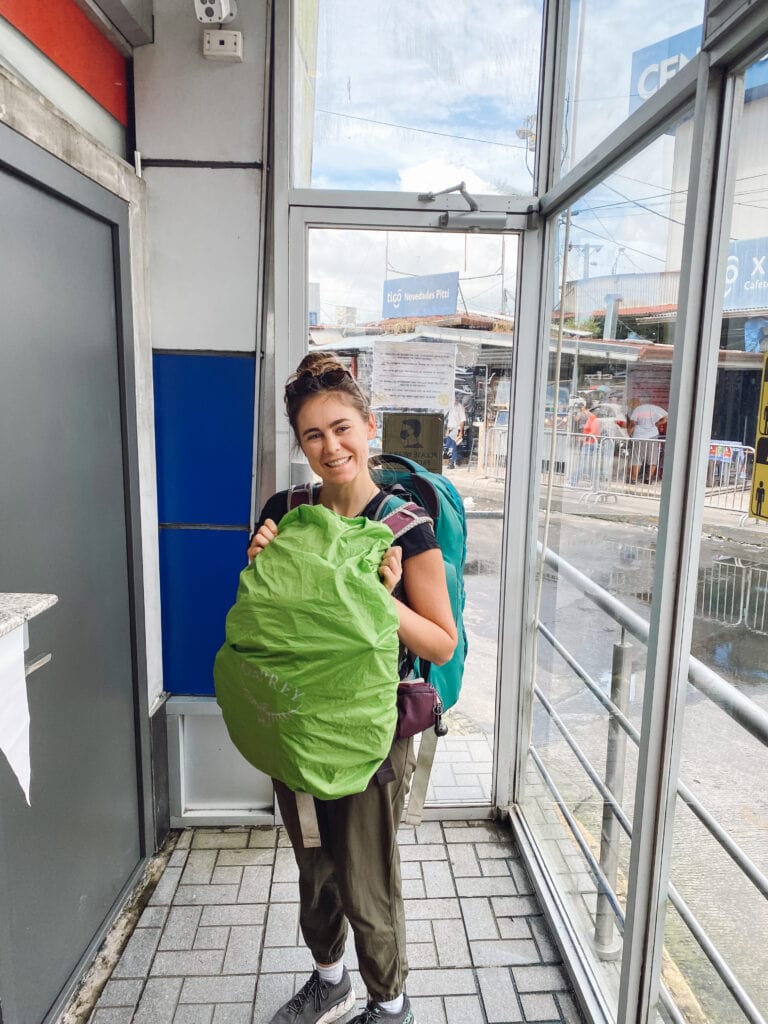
286,958
229,914
263,837
429,832
569,1009
487,953
541,1006
227,874
113,1015
272,992
484,833
451,942
243,949
180,928
195,962
421,955
464,860
230,989
438,880
282,924
479,919
191,1014
499,996
121,993
216,839
138,953
199,867
492,851
463,1010
419,910
232,1013
191,895
428,1011
178,858
158,1001
410,869
286,869
418,931
166,887
548,951
539,979
520,875
459,793
495,869
426,851
254,887
239,858
284,892
413,889
516,928
514,906
441,982
211,938
185,839
153,917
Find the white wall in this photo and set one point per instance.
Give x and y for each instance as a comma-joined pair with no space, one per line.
204,221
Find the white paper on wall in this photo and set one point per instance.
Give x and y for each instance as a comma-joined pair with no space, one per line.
14,721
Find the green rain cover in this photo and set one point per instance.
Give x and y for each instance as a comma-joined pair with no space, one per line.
307,678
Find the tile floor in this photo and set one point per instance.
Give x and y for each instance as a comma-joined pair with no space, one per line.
219,943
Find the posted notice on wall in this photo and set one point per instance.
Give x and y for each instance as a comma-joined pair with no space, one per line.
413,375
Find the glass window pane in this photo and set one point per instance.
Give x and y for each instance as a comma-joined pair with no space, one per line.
618,56
421,318
392,97
616,271
719,870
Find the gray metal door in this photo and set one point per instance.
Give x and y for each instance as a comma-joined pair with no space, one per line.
66,859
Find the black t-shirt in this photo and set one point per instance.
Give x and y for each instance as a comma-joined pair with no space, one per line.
419,538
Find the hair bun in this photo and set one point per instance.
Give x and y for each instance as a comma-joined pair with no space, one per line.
319,362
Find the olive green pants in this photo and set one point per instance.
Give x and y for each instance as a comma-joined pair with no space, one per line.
354,877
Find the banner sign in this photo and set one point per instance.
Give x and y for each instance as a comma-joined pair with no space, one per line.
746,275
654,65
435,295
413,375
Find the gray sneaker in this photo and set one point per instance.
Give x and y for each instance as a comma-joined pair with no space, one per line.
373,1014
317,1002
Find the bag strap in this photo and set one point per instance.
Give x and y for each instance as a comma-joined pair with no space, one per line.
300,494
420,780
402,518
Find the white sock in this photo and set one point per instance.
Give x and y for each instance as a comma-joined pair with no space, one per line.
331,973
393,1005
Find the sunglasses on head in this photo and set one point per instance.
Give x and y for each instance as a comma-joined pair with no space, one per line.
307,382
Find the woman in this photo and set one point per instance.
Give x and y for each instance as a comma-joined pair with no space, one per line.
354,876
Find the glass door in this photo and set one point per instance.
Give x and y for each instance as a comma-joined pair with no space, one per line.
424,319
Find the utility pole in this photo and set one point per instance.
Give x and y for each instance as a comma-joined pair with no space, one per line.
586,249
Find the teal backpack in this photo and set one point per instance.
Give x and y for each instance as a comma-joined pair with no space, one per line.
407,483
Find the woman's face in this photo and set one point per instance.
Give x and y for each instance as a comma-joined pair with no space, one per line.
334,437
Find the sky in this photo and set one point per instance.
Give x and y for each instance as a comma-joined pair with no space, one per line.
419,97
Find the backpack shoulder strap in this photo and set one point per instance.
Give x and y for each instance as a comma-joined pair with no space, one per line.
300,494
401,516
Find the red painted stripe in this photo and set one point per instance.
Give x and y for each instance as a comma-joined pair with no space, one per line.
66,36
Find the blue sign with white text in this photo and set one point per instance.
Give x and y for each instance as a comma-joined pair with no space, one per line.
656,64
746,275
435,295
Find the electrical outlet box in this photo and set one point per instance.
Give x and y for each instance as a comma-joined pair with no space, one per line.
220,44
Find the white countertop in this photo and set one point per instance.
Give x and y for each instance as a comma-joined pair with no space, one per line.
16,609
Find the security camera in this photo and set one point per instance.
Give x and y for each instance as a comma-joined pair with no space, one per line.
215,12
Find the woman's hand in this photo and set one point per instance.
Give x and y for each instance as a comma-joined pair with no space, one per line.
266,533
391,568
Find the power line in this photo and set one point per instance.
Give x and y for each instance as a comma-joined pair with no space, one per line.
423,131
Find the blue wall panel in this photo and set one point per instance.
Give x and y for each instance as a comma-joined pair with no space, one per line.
199,571
204,437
